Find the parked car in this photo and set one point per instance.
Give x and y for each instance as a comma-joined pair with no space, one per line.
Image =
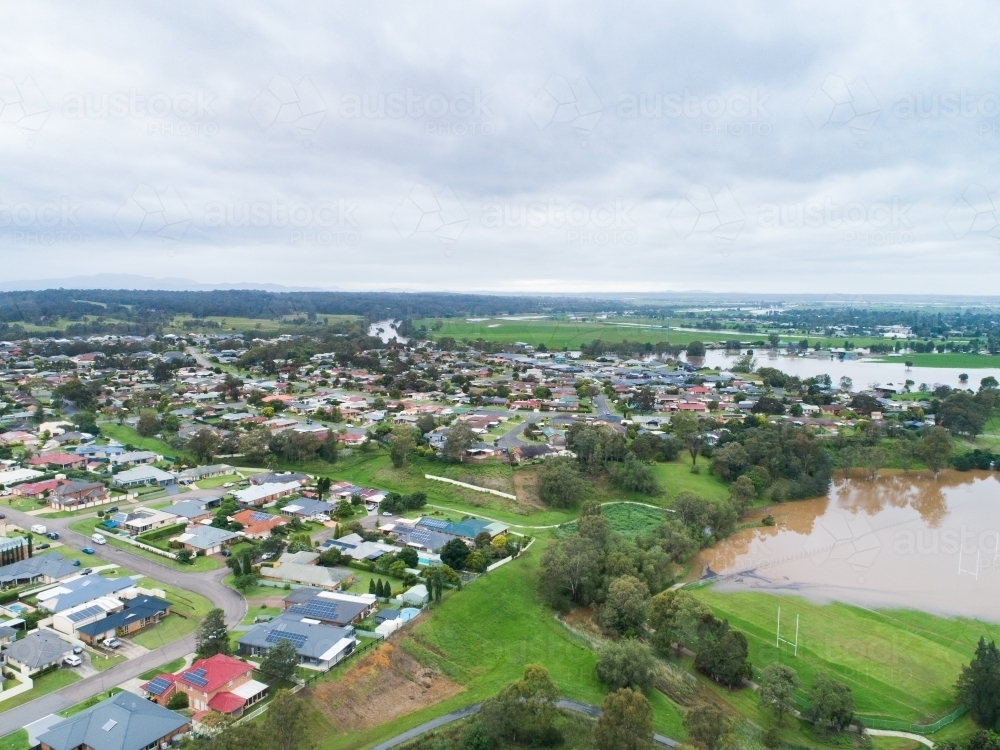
76,563
98,539
38,528
267,556
226,553
2,515
227,485
77,649
386,513
52,535
88,550
112,642
72,660
86,571
43,546
111,511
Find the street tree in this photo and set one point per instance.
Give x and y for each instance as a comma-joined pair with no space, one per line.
626,722
626,663
212,636
777,690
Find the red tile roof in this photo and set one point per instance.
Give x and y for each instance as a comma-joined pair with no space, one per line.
219,670
226,703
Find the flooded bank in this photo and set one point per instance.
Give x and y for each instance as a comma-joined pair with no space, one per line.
901,541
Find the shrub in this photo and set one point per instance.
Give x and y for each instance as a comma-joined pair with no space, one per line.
178,701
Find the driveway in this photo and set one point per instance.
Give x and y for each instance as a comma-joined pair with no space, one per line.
512,438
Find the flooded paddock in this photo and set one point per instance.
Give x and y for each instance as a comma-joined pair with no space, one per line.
900,541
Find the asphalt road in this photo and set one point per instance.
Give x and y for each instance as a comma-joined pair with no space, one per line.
512,438
601,405
208,585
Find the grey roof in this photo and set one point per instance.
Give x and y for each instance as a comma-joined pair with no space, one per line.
308,507
124,722
189,509
38,649
52,565
85,589
267,478
335,611
139,608
300,595
206,537
310,640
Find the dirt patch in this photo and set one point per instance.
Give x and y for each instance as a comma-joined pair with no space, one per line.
526,487
382,686
581,619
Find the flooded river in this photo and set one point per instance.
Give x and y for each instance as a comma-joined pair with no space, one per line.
863,372
898,542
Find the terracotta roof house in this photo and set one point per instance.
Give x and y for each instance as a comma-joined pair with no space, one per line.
58,461
76,494
220,683
258,524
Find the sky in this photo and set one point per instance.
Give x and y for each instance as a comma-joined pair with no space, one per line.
507,147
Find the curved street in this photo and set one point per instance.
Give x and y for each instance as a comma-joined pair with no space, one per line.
208,585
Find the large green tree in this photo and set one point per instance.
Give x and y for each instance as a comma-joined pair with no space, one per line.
777,689
626,722
626,663
979,685
212,636
278,664
559,483
624,608
523,712
831,705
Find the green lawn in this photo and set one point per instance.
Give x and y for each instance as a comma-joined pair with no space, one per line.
260,591
43,686
253,612
198,564
85,704
100,663
172,627
15,740
948,359
899,664
361,585
127,436
676,477
482,636
24,504
213,482
170,666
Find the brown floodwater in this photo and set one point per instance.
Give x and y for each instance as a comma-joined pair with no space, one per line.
900,541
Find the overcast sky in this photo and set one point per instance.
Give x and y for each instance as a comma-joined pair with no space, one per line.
504,146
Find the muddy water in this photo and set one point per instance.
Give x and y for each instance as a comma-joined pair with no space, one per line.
899,541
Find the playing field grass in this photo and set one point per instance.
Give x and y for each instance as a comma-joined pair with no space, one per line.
482,636
899,664
561,332
948,359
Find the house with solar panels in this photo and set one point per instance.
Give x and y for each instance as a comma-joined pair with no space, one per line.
257,524
86,589
124,722
468,528
220,683
330,607
86,613
319,646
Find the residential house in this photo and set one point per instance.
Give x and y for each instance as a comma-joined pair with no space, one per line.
85,613
331,607
74,592
196,510
41,569
304,508
137,613
144,475
123,722
270,478
265,494
134,458
306,574
319,646
220,683
61,461
77,494
206,539
468,528
13,549
257,524
357,548
38,650
204,472
146,519
36,490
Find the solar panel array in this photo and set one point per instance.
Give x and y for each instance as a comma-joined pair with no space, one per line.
320,608
83,614
421,537
259,517
157,686
297,639
433,523
196,677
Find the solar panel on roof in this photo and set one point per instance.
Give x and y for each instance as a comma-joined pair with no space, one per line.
258,517
297,639
323,609
157,686
433,523
196,677
83,614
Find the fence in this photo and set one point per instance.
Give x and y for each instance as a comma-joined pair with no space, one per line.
467,486
140,545
906,726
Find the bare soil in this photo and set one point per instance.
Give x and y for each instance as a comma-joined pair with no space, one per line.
382,686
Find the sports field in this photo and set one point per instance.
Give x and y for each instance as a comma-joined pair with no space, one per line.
899,664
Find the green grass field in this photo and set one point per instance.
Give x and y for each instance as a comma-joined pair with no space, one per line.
213,482
948,359
44,685
127,436
676,477
85,704
483,636
899,664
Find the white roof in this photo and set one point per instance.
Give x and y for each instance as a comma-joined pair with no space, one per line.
339,646
250,494
248,689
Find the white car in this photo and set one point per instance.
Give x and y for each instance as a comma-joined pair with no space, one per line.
72,660
39,529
